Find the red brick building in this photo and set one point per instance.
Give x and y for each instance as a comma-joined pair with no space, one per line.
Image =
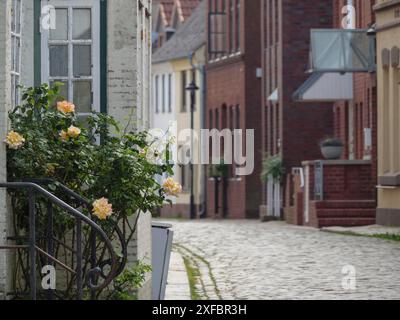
290,129
343,192
233,98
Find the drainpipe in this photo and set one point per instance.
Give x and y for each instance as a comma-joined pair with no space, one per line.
351,24
203,174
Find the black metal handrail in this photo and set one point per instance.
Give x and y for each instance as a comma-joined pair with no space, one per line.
85,202
33,190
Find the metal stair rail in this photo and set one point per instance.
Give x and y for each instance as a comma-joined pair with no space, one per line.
35,190
80,200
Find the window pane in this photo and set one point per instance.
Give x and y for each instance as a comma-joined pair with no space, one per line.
16,86
83,96
82,24
61,31
82,60
17,53
63,89
13,53
58,61
13,90
83,121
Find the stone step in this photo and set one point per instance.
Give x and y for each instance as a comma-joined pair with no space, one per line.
345,222
336,204
346,213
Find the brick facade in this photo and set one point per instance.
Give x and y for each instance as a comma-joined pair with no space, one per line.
233,99
364,106
291,129
349,194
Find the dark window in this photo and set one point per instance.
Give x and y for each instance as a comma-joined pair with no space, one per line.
194,79
231,25
157,94
170,93
238,117
216,29
237,25
163,93
184,93
185,177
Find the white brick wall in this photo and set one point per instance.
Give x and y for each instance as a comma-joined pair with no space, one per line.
4,105
128,48
129,61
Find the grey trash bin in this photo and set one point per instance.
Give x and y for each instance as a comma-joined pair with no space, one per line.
161,245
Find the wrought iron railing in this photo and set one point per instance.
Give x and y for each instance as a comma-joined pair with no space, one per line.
116,264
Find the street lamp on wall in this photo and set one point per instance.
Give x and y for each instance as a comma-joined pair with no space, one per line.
192,88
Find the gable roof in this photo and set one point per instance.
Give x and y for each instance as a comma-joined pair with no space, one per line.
187,39
168,9
185,8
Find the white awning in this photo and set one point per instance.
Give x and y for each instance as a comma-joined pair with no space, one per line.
274,97
326,87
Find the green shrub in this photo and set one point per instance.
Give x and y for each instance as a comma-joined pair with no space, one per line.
116,169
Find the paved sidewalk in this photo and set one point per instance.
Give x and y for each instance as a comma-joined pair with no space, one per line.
178,283
367,230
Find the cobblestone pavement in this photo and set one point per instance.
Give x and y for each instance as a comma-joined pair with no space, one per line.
253,260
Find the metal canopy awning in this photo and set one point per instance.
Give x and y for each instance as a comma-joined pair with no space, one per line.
325,87
340,50
274,97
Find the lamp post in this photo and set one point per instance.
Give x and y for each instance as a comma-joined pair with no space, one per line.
192,88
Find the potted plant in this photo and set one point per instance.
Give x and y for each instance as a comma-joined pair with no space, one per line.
220,170
272,168
332,148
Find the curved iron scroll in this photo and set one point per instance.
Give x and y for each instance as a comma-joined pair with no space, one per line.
34,189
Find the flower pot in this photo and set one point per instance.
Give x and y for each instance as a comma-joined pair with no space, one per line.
332,152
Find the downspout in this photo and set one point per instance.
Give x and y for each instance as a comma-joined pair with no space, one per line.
351,24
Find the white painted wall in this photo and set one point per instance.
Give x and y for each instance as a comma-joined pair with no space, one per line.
27,75
162,120
129,62
129,87
5,92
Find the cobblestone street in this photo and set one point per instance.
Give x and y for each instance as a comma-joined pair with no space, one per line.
253,260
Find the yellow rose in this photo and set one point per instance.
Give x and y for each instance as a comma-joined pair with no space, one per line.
50,169
172,188
74,132
65,107
102,209
14,140
64,136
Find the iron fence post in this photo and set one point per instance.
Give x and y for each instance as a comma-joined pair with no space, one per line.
50,242
79,278
32,244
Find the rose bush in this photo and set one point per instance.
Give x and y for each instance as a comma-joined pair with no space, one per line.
91,156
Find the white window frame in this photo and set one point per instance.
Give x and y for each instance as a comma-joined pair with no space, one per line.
16,54
94,42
